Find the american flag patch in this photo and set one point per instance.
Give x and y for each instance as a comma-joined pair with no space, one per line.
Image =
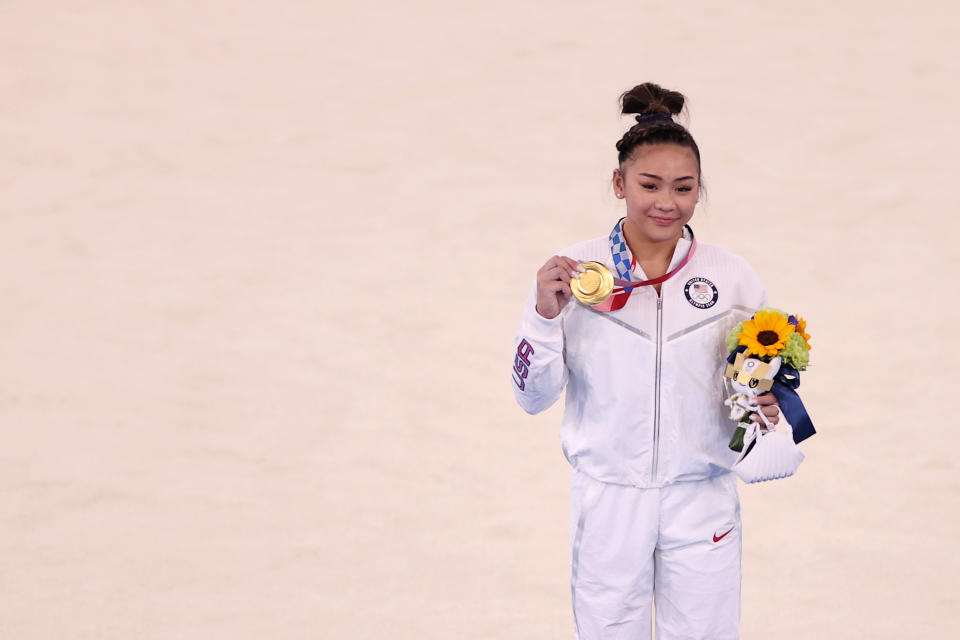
701,293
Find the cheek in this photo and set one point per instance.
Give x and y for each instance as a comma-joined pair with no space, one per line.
636,199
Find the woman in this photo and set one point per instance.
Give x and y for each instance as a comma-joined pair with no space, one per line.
654,508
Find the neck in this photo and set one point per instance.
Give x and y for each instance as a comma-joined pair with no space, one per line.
645,250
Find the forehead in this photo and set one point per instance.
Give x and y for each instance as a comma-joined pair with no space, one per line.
663,160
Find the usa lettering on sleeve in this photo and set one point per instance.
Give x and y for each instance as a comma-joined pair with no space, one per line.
521,364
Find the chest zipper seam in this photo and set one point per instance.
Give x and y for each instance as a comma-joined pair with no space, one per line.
656,392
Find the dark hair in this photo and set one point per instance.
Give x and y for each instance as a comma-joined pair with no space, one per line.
655,124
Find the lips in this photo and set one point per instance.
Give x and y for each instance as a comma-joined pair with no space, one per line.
663,221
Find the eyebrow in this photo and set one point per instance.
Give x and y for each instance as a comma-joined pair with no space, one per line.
656,177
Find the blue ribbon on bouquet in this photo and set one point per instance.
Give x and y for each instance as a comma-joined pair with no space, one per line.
791,406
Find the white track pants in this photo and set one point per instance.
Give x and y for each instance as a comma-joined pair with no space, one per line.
680,543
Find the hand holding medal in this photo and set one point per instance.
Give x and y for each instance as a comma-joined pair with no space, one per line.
553,285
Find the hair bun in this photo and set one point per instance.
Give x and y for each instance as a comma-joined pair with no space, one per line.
649,98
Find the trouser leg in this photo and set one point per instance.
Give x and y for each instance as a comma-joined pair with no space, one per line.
613,532
698,571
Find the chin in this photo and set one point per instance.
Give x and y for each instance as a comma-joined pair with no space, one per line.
662,232
659,233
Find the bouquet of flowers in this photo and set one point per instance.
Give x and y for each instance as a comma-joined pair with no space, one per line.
767,353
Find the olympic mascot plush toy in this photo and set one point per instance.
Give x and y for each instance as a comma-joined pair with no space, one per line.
766,354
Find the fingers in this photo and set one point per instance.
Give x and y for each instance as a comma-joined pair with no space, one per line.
767,399
772,414
573,265
770,406
569,265
554,287
558,269
553,284
561,272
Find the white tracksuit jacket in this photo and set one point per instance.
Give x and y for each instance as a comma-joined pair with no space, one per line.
644,402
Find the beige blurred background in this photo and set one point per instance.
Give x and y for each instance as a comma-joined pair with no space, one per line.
261,265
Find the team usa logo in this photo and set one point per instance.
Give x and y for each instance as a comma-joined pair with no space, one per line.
701,293
521,364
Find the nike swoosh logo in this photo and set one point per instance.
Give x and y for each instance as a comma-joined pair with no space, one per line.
717,538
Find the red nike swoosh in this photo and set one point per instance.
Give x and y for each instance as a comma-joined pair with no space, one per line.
718,539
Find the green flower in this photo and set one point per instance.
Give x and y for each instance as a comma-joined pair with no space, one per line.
795,353
733,338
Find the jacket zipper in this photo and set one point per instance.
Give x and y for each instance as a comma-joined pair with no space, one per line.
656,392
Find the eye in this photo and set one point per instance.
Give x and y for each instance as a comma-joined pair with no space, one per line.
753,383
684,189
649,186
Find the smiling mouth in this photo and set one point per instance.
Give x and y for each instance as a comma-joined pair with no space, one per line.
661,220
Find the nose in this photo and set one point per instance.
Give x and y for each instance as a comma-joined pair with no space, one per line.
664,203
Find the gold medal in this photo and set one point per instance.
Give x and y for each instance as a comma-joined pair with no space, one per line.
594,285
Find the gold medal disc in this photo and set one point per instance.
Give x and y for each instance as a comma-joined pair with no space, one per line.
594,285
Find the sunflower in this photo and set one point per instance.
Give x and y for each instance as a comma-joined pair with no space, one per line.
766,333
801,328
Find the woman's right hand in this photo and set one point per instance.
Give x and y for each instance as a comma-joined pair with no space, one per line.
553,285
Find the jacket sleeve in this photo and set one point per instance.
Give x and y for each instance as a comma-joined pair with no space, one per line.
754,293
539,372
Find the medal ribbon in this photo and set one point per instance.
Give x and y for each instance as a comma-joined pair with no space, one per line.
624,264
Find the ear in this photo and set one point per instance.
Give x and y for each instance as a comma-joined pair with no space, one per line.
617,181
774,367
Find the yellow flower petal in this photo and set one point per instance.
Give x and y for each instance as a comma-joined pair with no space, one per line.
766,333
802,330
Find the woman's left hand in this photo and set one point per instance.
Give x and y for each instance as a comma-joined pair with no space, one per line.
770,407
